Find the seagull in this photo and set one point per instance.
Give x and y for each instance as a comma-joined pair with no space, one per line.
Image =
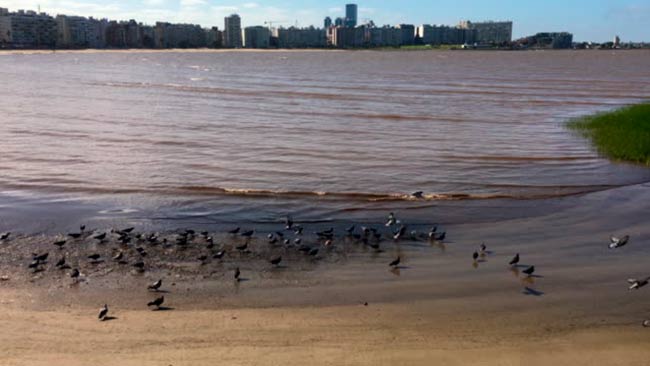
237,274
396,262
155,286
234,231
618,242
157,302
276,261
5,236
637,284
103,312
219,255
529,271
118,257
514,260
60,243
646,323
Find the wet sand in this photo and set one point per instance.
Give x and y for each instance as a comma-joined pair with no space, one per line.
438,308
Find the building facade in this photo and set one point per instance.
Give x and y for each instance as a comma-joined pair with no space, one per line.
490,32
351,15
232,33
257,37
301,37
27,29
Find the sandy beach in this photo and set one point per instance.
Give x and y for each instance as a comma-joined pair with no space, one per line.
438,308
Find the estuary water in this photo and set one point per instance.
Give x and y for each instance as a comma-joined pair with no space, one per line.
255,135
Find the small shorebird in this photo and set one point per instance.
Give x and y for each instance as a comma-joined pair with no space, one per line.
41,257
103,312
313,252
237,274
288,223
646,323
242,247
234,231
75,274
248,234
157,302
5,236
74,235
350,230
118,257
127,230
139,265
637,284
219,254
94,257
529,271
155,286
276,261
514,260
418,195
100,237
483,248
82,228
475,256
60,243
395,263
432,232
618,242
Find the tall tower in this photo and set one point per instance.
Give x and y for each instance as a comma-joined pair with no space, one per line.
351,14
328,22
232,36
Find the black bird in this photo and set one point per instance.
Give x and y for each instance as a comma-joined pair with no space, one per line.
202,259
94,257
298,230
155,286
41,257
219,254
396,262
242,247
75,274
514,260
432,233
248,234
234,231
273,240
475,256
139,265
60,243
418,194
100,237
205,234
276,261
529,271
82,228
483,248
442,236
398,234
237,274
280,234
297,241
103,312
304,248
288,223
313,252
127,230
157,302
75,235
350,230
5,236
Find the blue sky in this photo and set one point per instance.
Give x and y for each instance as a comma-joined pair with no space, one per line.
597,20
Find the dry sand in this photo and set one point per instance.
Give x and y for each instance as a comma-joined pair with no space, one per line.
439,309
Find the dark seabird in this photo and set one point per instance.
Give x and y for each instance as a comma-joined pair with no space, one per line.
402,230
432,232
514,260
157,302
75,235
82,228
396,262
60,243
41,257
350,230
103,312
127,230
237,274
475,256
618,242
304,248
248,234
273,240
155,286
100,237
328,242
75,274
287,241
276,261
5,236
297,230
202,259
242,247
442,236
418,195
95,257
637,284
61,262
219,254
139,265
313,252
529,271
288,223
210,245
205,234
280,234
234,231
297,241
483,248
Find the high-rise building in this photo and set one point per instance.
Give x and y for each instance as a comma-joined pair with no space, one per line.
490,32
328,22
301,37
351,15
257,37
232,34
25,29
408,34
339,22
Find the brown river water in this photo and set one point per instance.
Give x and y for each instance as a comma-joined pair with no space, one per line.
246,136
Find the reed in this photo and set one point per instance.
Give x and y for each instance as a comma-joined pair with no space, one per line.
623,134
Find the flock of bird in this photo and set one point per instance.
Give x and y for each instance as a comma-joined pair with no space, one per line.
369,236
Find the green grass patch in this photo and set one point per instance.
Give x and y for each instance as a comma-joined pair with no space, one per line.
623,134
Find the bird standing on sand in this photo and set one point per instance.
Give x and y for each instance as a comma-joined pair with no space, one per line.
637,284
103,312
100,237
74,235
515,260
276,261
60,243
219,254
529,271
395,263
248,234
155,286
5,236
242,247
618,242
234,231
237,274
157,302
75,274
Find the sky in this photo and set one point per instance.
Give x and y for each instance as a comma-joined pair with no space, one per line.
588,20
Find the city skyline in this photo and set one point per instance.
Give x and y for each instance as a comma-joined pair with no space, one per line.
589,20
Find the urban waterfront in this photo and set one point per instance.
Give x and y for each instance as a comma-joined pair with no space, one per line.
348,130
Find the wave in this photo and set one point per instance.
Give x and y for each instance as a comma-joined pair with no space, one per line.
525,192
